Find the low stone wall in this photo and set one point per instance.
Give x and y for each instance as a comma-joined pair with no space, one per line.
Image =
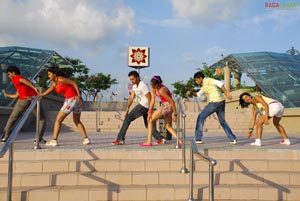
238,119
112,114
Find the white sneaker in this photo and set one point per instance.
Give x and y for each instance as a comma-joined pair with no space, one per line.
52,143
285,142
257,142
86,141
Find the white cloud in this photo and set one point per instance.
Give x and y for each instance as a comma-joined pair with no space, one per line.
69,23
208,12
280,19
216,52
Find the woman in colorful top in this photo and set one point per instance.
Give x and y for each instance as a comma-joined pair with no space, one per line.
165,110
73,103
266,108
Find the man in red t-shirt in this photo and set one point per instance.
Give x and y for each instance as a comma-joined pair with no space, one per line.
24,94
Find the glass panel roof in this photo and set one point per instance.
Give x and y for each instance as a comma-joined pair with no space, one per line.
277,74
31,63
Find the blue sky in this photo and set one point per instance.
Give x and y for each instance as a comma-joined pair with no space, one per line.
181,34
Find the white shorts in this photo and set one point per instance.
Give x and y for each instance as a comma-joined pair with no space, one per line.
276,109
71,105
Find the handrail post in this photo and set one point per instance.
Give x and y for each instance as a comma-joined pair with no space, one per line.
10,171
210,161
183,169
98,113
211,182
191,187
37,137
183,115
178,130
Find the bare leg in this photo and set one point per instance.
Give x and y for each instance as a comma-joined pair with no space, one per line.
279,128
57,125
156,115
79,124
259,127
169,128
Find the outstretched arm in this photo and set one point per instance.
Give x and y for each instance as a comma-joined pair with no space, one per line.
16,95
29,84
49,90
253,120
226,93
129,103
259,99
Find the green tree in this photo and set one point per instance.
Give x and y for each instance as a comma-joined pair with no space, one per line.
210,72
78,68
98,82
90,85
181,87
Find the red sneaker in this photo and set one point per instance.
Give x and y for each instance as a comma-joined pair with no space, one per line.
162,141
118,142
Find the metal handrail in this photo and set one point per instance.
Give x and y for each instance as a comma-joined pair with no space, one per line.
9,144
98,112
212,162
181,130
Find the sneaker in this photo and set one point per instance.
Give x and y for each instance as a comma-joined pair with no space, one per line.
233,142
86,141
199,142
285,142
3,140
41,141
52,143
257,142
162,141
118,142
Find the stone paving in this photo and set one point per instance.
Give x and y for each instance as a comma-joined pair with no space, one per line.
102,140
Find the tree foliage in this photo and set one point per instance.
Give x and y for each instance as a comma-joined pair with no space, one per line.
181,88
98,82
90,85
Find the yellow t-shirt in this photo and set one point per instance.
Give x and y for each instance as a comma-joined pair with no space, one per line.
212,89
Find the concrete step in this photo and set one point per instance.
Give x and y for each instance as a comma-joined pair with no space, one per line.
152,192
153,178
233,153
120,173
111,165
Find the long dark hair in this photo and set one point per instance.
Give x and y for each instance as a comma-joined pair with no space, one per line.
243,104
54,68
156,81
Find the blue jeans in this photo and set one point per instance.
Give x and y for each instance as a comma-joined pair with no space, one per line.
135,113
219,108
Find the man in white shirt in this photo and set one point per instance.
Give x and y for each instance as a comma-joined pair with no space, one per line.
141,93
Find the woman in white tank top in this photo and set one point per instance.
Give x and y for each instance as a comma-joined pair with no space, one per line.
265,108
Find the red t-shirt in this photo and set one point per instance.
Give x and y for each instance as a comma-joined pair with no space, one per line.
67,90
23,90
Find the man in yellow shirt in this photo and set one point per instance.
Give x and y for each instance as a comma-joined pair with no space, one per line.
213,90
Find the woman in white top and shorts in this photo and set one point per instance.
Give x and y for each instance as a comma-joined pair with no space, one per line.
267,108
